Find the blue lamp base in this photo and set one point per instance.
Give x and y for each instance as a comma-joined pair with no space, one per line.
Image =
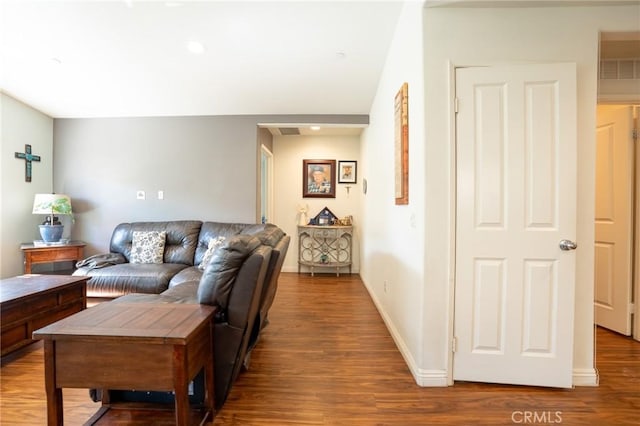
51,233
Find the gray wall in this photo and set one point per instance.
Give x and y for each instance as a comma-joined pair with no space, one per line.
21,125
206,167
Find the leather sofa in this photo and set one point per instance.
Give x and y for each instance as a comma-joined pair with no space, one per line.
241,280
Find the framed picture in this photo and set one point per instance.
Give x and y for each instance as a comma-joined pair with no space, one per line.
319,178
347,171
401,142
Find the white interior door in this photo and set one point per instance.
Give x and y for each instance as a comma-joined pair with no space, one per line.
516,201
614,218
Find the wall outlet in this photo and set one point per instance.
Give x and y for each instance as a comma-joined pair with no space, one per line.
160,195
385,286
140,195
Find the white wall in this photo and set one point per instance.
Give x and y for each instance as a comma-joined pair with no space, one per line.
415,258
393,241
21,125
288,153
477,36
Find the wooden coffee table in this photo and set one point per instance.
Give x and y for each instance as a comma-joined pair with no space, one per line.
130,345
29,302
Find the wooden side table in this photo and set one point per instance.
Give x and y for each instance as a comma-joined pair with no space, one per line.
127,345
71,251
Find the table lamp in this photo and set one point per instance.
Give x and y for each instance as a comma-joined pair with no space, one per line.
51,204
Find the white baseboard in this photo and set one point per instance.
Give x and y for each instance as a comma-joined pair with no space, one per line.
431,378
424,378
305,270
585,377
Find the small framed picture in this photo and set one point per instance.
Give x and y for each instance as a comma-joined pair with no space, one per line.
318,178
347,171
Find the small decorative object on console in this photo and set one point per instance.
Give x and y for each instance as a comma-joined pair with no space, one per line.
324,218
302,212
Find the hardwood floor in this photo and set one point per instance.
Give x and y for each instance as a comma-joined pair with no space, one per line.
326,358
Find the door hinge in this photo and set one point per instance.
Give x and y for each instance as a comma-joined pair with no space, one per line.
634,132
454,345
632,308
455,105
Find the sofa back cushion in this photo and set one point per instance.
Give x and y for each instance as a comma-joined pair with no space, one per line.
268,234
221,272
213,230
180,244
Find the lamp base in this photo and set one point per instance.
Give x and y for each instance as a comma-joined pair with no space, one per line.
51,233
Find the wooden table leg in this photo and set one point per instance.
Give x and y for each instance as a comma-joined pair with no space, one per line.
181,385
27,263
54,395
209,378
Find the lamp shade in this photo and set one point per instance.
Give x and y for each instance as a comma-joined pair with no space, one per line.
52,204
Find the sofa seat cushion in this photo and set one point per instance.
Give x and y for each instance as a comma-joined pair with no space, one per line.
185,292
192,273
125,278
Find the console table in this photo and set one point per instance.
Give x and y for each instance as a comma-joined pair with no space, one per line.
325,246
71,251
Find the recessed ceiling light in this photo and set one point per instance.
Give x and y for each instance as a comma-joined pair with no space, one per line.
56,61
195,47
315,128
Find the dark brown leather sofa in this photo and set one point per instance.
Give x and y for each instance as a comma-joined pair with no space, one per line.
241,280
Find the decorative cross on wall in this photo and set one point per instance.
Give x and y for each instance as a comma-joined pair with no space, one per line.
28,157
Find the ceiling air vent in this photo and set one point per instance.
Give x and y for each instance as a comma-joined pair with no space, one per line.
289,131
620,69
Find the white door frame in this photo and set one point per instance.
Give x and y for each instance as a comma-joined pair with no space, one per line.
264,151
636,218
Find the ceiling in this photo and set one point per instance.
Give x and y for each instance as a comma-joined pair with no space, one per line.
130,58
123,58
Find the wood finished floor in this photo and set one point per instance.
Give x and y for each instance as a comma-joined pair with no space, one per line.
327,359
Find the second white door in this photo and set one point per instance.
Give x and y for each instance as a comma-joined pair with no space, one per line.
614,218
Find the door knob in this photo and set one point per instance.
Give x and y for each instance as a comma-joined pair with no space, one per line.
567,245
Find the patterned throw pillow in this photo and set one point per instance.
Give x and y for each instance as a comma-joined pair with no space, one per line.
214,243
147,247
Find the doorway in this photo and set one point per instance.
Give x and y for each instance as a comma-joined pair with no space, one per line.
266,185
615,245
617,221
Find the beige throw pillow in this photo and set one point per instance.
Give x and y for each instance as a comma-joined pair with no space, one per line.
214,243
147,247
